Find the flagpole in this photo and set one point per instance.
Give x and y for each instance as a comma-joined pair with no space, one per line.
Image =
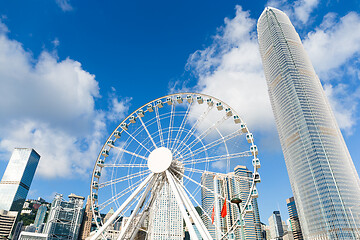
217,210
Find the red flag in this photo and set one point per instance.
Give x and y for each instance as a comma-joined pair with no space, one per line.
213,215
224,210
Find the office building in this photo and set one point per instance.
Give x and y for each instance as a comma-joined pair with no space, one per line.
33,236
323,178
276,226
17,231
40,216
294,219
231,185
65,217
16,181
7,223
88,225
166,221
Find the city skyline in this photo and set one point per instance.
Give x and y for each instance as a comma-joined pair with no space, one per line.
49,47
323,178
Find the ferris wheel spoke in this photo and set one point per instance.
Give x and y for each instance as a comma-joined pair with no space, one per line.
130,135
140,202
171,124
124,178
199,184
218,158
121,208
120,194
128,152
207,132
198,121
124,165
183,122
147,131
193,198
213,144
159,126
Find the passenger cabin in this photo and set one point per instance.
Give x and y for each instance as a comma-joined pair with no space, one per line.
249,208
210,102
124,126
159,104
256,163
97,174
100,163
110,143
95,185
228,112
254,150
150,108
249,137
254,193
179,99
105,153
243,128
219,106
95,196
140,113
257,178
132,119
169,101
117,134
189,98
200,100
236,119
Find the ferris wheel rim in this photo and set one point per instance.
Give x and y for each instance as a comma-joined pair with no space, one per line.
142,107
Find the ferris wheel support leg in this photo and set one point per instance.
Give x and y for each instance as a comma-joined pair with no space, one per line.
194,215
121,208
136,209
179,201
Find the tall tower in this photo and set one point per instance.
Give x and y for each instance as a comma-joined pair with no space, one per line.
230,185
276,226
323,178
19,173
294,219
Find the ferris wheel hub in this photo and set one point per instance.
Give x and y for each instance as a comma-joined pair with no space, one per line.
160,159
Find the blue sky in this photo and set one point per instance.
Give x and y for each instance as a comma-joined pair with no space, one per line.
71,70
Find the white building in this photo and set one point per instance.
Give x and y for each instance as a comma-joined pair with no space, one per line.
323,178
165,220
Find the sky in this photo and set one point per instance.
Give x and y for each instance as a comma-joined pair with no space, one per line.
71,70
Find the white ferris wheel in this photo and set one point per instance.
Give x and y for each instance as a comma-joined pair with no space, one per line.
160,156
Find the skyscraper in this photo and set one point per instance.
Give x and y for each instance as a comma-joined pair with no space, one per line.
40,216
166,221
234,184
294,219
65,218
322,175
276,226
16,181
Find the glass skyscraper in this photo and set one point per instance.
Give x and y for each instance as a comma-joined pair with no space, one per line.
323,178
19,173
294,219
230,185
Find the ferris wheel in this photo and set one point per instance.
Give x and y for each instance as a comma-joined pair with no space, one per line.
172,162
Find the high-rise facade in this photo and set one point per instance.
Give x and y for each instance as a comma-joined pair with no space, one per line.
7,223
231,185
65,217
16,181
294,219
40,216
323,178
276,226
166,221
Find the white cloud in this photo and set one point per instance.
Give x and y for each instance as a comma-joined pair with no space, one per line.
344,104
49,105
333,43
64,5
231,70
299,11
